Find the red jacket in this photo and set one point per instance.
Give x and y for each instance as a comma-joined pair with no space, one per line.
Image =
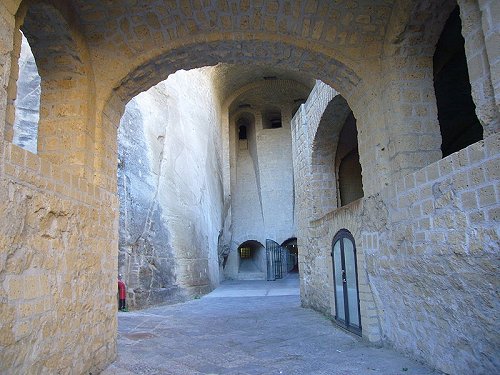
121,290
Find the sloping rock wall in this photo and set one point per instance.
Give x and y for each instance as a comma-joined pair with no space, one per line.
170,191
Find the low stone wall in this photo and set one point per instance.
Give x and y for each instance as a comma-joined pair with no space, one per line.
433,263
57,269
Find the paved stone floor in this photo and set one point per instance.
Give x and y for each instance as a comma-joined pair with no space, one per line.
247,327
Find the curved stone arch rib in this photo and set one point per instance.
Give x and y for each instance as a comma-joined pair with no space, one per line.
415,26
282,84
251,241
273,53
330,124
324,149
256,52
316,105
289,239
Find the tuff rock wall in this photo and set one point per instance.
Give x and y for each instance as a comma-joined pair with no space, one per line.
169,183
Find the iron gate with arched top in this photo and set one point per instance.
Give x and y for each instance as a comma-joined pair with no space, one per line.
277,260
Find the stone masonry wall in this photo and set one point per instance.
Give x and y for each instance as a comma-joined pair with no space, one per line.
433,263
315,233
58,246
320,289
427,252
57,262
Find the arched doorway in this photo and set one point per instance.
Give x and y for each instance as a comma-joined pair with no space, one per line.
345,277
252,261
292,253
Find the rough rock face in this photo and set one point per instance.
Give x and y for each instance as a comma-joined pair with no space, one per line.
170,189
27,101
145,255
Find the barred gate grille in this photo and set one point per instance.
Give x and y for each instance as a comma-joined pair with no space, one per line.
277,261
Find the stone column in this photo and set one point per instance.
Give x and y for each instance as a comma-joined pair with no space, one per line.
482,53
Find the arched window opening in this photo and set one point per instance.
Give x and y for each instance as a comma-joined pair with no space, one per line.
243,126
27,103
292,254
326,197
271,119
456,109
242,132
350,185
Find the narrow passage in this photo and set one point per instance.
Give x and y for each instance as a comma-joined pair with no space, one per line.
247,327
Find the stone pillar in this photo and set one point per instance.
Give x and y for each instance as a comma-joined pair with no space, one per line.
483,62
407,110
106,153
11,71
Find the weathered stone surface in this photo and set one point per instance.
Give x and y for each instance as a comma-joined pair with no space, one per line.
424,252
423,215
145,257
46,287
169,182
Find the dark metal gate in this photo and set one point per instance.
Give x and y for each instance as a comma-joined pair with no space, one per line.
277,262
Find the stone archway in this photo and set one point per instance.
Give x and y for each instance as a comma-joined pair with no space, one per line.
60,215
252,261
324,150
263,53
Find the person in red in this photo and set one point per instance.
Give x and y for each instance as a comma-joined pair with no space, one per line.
122,293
